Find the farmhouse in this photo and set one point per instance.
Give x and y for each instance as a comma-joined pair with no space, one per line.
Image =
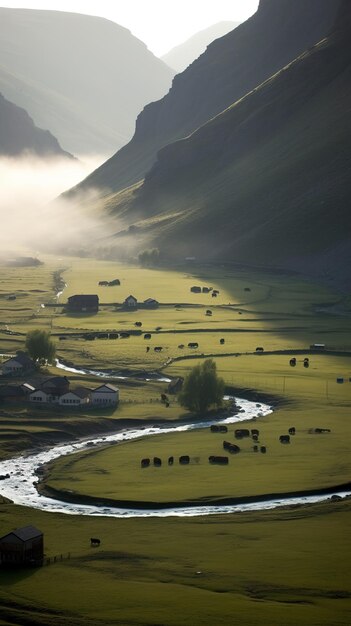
17,364
83,304
23,546
77,397
105,395
50,390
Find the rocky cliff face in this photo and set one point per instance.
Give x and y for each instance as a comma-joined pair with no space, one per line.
230,68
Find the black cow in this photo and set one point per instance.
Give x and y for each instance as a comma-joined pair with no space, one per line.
241,432
147,348
292,430
145,462
255,437
138,324
292,362
158,349
193,344
218,460
231,447
221,341
284,438
222,428
255,431
322,430
184,460
306,363
94,542
263,449
147,336
170,460
157,461
255,448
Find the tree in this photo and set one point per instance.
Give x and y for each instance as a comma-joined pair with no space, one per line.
39,345
149,257
202,388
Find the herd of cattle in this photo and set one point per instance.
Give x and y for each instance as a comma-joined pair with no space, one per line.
228,446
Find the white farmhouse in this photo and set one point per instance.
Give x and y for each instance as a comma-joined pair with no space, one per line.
105,395
76,397
17,364
38,396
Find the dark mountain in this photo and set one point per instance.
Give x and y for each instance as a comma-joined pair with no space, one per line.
268,181
181,56
84,78
229,69
18,134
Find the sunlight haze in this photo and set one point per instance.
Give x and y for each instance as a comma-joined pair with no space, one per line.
160,25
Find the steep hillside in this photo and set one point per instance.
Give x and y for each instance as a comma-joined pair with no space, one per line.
18,134
230,68
267,181
181,56
84,78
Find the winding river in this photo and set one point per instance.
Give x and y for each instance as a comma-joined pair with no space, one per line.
20,485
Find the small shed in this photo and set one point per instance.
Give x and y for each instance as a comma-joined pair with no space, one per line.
105,395
150,303
23,546
175,385
130,302
195,289
83,304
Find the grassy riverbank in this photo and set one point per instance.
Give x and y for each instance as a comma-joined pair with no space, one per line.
288,566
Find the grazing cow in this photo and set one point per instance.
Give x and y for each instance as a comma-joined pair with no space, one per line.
255,431
306,360
292,362
241,432
263,449
214,428
214,294
103,283
259,349
158,349
193,344
184,460
306,363
284,438
255,448
157,461
147,348
231,447
208,312
221,341
292,430
181,346
94,542
145,462
170,460
321,430
255,437
138,324
222,428
218,460
147,336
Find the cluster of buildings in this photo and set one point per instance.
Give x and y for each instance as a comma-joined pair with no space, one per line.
89,303
53,390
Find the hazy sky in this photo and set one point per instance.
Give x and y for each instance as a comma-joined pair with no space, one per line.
161,24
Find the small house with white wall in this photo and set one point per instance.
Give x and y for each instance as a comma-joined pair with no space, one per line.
17,364
38,396
105,395
77,397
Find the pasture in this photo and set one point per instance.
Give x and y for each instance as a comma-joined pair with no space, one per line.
285,566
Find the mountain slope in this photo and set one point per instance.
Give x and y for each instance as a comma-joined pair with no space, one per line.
230,68
18,134
181,56
85,78
265,182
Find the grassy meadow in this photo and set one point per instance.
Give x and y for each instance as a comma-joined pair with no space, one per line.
288,566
